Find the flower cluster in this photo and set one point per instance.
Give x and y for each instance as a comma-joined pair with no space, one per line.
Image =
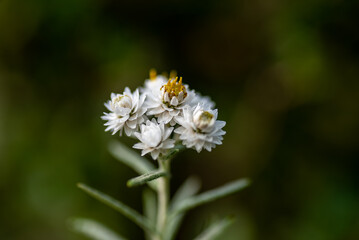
163,114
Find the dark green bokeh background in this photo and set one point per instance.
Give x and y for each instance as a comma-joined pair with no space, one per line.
284,76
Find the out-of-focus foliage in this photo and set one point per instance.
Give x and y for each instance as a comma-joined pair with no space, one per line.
284,75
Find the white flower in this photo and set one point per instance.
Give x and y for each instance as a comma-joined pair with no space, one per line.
154,83
200,128
168,103
154,138
126,112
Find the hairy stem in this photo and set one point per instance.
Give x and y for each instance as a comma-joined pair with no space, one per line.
163,196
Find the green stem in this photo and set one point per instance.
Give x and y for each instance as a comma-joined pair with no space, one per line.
163,196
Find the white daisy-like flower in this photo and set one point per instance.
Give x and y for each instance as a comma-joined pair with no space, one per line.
154,138
168,103
200,128
126,112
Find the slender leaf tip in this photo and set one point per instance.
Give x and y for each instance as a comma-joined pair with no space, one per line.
145,178
211,195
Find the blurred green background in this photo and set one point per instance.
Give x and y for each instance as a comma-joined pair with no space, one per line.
284,75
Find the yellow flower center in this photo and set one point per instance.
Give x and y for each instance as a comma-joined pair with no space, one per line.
174,88
206,116
203,120
122,101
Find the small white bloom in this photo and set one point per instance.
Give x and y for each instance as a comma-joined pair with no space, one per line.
154,83
168,103
200,128
154,138
126,112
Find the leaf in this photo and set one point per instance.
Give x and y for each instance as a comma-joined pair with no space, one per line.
211,195
190,187
119,206
132,159
129,157
93,229
145,178
149,208
215,229
171,153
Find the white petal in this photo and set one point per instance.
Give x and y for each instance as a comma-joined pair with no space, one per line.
155,153
174,101
166,98
164,117
174,113
145,151
138,136
108,105
128,130
169,143
122,111
179,130
167,133
131,124
207,147
155,111
128,91
199,146
139,145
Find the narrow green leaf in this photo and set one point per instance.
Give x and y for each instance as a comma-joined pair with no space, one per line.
189,188
215,229
149,208
171,153
93,229
129,157
145,178
119,206
211,195
132,159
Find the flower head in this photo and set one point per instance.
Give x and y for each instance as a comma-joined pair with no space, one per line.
200,128
168,103
174,108
126,112
154,138
173,90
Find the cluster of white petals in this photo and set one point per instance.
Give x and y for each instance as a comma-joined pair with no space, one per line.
199,128
154,138
179,116
126,112
168,101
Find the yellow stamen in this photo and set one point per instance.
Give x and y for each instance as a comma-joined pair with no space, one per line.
174,88
206,116
118,99
153,74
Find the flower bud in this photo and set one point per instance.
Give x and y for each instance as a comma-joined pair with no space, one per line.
203,120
